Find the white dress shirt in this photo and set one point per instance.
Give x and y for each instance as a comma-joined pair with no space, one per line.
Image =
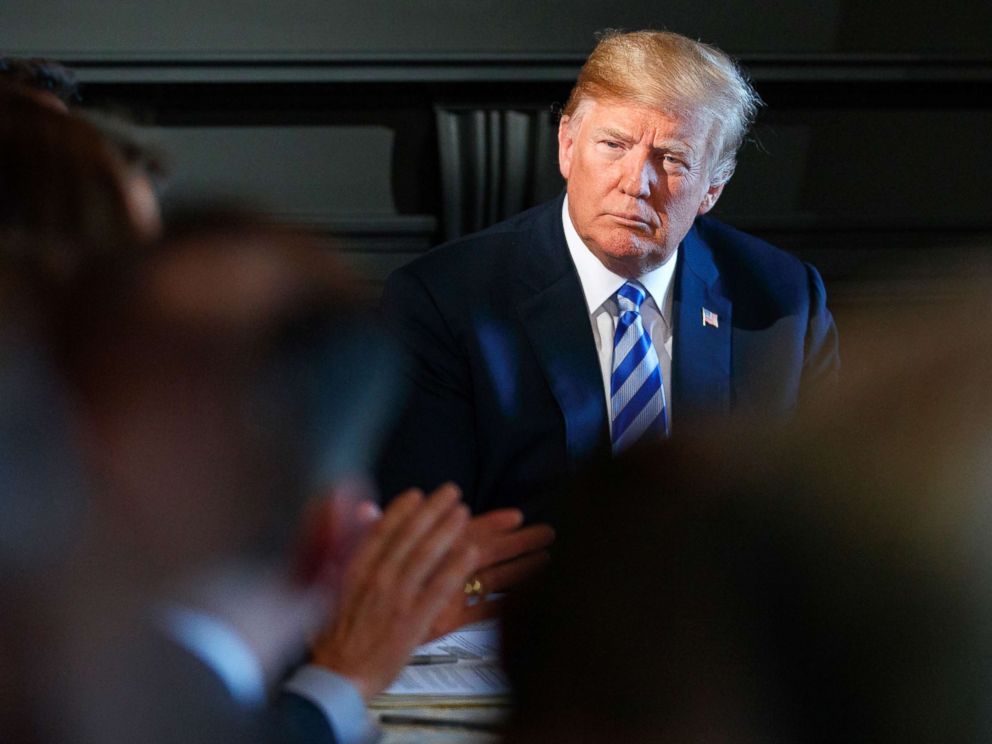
600,285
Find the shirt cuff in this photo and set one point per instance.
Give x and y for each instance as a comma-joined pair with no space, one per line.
337,699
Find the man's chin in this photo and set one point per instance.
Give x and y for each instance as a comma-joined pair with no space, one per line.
631,260
625,247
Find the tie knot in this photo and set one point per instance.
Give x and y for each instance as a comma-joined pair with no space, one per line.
630,296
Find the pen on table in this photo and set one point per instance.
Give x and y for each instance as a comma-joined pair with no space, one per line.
400,720
432,659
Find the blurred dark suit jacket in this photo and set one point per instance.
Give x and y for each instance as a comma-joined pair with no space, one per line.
507,393
156,691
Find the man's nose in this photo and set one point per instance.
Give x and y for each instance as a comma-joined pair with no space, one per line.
637,176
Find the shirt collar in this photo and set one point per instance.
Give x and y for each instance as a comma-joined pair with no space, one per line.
599,284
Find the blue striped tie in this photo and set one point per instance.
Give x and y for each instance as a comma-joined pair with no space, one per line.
637,395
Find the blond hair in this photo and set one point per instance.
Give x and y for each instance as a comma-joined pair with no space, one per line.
674,74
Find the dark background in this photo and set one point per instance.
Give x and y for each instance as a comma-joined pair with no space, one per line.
393,125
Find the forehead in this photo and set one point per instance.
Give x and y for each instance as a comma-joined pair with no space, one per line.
639,121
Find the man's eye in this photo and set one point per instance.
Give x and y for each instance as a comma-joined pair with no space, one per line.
612,145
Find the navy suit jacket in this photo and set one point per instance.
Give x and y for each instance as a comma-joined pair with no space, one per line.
507,394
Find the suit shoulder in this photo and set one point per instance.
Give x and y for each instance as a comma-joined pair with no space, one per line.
755,271
732,245
744,258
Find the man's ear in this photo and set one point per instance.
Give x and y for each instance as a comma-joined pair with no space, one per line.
709,198
565,145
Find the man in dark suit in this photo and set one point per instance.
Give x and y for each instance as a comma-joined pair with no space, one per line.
616,311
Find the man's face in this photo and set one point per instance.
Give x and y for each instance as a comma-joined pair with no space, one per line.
637,178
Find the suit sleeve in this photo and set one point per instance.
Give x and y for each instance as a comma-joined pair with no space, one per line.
821,364
317,705
435,439
298,720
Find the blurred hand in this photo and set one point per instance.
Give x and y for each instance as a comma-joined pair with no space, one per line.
508,554
401,576
332,528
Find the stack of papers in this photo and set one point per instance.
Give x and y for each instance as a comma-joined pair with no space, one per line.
476,677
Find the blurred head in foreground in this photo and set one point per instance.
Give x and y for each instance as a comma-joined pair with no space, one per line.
46,80
834,584
65,192
219,382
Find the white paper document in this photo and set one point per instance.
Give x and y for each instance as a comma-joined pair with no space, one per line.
477,673
470,642
469,678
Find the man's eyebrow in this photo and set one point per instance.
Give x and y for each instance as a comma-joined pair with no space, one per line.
676,147
611,133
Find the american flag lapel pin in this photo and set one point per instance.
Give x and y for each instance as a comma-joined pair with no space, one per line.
710,318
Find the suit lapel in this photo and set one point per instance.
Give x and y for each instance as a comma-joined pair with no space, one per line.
556,322
701,352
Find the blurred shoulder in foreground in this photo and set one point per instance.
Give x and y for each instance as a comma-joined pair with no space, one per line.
832,584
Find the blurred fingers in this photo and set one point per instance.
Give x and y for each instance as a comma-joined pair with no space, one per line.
429,554
404,548
428,520
367,513
449,578
377,541
507,575
495,522
519,542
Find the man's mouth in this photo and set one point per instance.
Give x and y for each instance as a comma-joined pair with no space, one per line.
631,220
